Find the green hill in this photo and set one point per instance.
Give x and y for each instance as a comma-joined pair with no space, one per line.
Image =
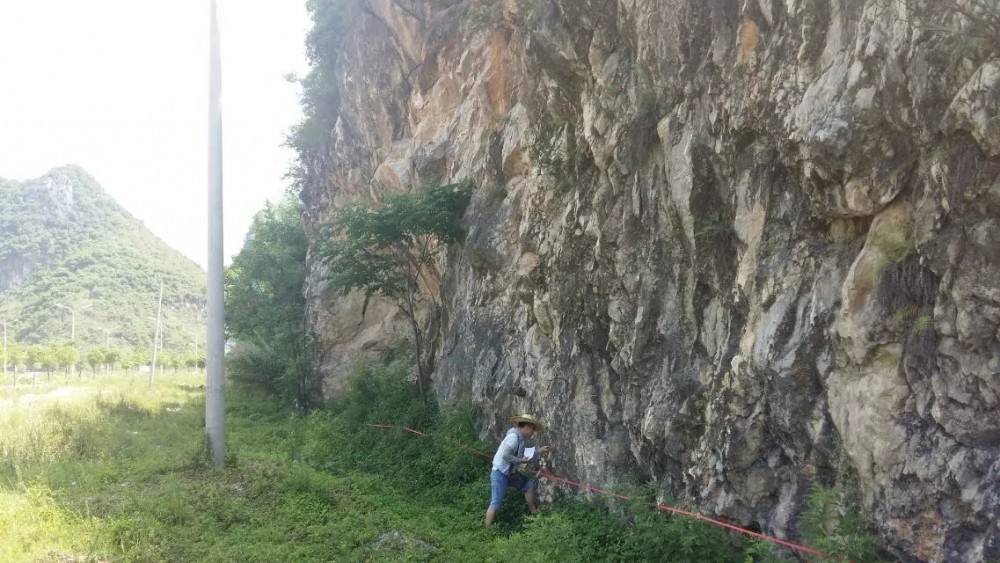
64,241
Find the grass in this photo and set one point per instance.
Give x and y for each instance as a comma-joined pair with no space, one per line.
112,470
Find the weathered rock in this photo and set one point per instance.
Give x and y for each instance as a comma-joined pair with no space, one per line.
743,247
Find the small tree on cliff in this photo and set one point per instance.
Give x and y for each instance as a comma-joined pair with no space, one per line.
388,249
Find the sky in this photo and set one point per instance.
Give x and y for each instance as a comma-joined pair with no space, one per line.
120,88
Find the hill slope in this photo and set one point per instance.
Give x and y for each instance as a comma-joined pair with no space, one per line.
63,240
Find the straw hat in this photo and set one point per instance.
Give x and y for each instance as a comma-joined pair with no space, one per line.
539,427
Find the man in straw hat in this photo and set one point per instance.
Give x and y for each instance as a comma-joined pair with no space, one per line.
508,460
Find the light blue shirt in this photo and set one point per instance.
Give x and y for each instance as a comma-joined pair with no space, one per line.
513,446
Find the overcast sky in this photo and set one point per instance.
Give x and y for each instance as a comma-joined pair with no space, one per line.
119,87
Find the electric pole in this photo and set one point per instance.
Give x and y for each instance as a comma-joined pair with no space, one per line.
72,329
156,334
215,346
5,323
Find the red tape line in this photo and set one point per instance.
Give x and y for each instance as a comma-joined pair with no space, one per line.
660,507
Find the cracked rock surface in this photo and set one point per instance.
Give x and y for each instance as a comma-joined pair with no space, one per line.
740,246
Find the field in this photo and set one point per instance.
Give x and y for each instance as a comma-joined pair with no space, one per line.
112,470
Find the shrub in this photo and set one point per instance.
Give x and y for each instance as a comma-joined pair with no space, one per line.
834,524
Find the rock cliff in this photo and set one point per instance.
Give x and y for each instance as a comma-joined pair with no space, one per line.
740,246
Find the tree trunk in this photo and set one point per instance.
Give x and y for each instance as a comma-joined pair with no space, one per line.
423,383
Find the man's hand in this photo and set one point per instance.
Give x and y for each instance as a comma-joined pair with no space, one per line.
545,449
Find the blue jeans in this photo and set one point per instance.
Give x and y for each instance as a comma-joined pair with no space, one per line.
499,483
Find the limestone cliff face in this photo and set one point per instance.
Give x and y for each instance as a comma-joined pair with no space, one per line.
743,246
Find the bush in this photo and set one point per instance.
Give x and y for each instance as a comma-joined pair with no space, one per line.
833,524
437,472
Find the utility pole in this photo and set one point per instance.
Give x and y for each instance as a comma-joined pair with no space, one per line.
156,334
215,426
5,323
72,329
72,326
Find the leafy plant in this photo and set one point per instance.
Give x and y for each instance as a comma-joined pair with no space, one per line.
710,226
923,322
551,151
265,297
483,15
388,250
120,476
321,94
833,524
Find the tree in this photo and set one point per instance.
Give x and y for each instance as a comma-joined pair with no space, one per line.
135,358
67,356
265,302
190,361
388,251
170,360
48,359
18,357
34,357
95,359
111,358
127,362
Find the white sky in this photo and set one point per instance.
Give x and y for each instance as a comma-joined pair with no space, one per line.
119,87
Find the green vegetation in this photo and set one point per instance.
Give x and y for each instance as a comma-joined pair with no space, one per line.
112,470
321,96
63,241
25,363
116,474
552,150
265,294
390,251
833,524
976,21
484,16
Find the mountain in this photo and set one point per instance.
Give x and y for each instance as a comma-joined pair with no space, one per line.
64,241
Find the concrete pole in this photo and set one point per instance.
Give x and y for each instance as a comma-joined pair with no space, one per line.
72,329
215,399
156,333
5,323
72,324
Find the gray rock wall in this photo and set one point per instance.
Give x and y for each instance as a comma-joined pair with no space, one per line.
743,247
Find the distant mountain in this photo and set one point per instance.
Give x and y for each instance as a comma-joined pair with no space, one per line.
64,241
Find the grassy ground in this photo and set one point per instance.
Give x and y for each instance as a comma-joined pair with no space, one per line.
112,470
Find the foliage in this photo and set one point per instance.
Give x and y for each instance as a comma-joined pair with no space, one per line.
63,240
552,151
980,21
266,302
320,98
257,365
117,476
483,16
332,20
95,359
833,524
386,250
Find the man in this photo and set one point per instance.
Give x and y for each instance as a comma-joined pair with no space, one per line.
509,458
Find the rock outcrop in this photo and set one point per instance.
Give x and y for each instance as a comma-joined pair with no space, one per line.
741,246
